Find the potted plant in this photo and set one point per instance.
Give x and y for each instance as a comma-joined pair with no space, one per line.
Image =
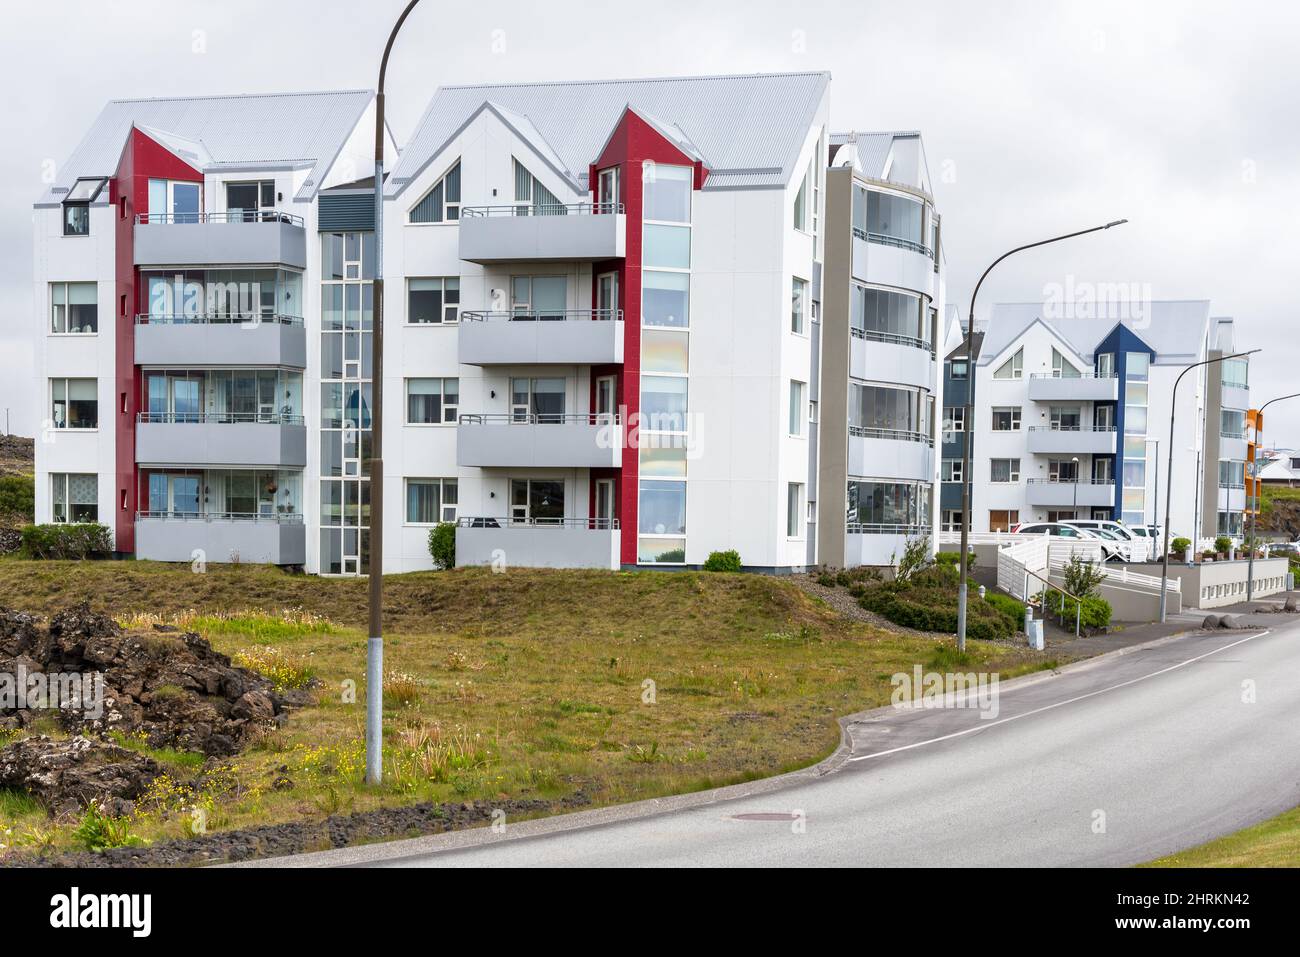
1179,547
1223,547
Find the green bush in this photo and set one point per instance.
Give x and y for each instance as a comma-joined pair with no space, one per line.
97,831
442,545
953,559
67,541
928,602
18,496
728,561
1007,604
826,580
1082,577
1179,545
1095,615
1223,545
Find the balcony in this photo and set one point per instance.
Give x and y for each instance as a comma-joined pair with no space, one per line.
587,337
221,439
1233,445
889,261
221,537
890,454
878,544
196,341
1051,493
885,357
555,543
579,440
1050,387
240,238
579,232
1086,440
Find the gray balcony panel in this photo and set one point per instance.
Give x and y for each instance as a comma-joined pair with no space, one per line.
895,266
570,444
220,243
874,360
500,341
217,443
1068,494
220,540
579,237
534,546
1077,389
1079,441
220,345
886,458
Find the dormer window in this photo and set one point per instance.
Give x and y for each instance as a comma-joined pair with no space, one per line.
76,206
1013,368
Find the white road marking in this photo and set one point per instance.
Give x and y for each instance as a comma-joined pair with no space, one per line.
1058,704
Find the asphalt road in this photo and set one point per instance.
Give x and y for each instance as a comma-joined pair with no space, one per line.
1118,761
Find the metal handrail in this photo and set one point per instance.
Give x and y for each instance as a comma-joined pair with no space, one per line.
1232,435
221,418
542,209
895,241
879,528
892,337
1072,428
279,518
898,435
1078,602
506,522
1082,375
565,315
1083,481
539,418
232,216
214,319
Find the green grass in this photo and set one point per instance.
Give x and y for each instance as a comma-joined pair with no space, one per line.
1272,843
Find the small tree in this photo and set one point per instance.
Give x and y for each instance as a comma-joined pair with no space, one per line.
728,561
916,555
442,545
1082,577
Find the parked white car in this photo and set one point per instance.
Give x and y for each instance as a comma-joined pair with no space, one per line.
1112,547
1141,547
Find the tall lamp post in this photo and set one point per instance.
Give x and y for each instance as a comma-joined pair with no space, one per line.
970,419
375,644
1254,510
1169,481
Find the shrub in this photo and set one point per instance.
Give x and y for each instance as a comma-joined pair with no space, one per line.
928,602
826,580
1082,577
442,545
67,541
728,561
953,559
1180,545
1223,544
97,831
18,495
1094,616
1006,604
916,556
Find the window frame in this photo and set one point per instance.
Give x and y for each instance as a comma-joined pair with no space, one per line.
442,292
447,204
452,409
795,413
1016,364
799,288
66,284
443,484
67,401
66,481
1013,471
794,520
1014,411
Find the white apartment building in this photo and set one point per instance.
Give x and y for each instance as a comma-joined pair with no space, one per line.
1072,415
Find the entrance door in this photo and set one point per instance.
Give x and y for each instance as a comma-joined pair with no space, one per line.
604,503
607,190
607,296
605,408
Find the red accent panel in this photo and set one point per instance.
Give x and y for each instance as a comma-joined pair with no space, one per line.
142,159
633,142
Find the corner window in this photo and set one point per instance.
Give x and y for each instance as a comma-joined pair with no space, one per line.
74,403
432,301
74,308
442,203
74,497
430,500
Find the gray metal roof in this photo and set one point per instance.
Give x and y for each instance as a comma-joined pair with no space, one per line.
873,152
749,129
1175,329
255,130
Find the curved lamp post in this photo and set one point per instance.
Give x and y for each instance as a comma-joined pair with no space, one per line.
1169,482
970,419
1250,554
375,643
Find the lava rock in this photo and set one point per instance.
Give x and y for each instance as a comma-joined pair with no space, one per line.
67,775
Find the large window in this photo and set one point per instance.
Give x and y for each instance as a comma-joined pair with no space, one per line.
1013,368
74,497
667,195
175,201
950,470
537,400
1004,470
1232,424
222,295
665,298
889,412
531,197
74,308
74,403
442,203
539,501
1232,473
954,419
430,301
1235,373
1006,418
1002,520
889,218
538,297
432,401
895,504
430,500
250,200
664,403
889,316
1062,368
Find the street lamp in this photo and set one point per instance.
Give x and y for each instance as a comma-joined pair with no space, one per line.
1169,482
1250,546
970,419
375,643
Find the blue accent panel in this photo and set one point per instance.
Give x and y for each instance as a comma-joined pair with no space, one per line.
1121,341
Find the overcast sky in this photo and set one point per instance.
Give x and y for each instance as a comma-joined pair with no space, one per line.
1038,118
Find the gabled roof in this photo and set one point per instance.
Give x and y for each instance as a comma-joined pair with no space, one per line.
1174,329
748,129
257,130
869,154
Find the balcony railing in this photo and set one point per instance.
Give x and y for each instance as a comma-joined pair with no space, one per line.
894,241
1072,428
278,518
564,315
864,528
539,418
222,418
543,209
1054,374
213,319
1064,481
232,216
1239,436
592,524
897,435
891,337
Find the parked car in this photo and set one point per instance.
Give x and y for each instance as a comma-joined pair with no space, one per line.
1141,547
1112,549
